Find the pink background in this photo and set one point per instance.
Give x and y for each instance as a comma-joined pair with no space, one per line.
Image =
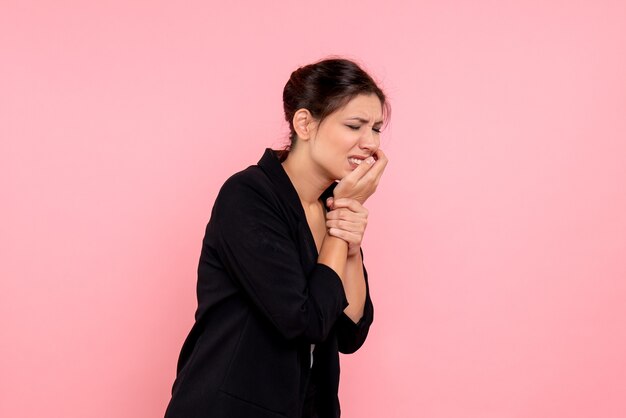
497,240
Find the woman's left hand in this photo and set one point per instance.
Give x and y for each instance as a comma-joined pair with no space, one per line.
347,220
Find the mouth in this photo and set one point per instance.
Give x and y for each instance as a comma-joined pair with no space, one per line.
355,161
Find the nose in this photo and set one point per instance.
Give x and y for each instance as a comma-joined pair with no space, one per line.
369,141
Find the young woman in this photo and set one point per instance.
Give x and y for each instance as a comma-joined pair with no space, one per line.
281,284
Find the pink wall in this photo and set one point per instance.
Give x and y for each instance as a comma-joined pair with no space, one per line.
497,240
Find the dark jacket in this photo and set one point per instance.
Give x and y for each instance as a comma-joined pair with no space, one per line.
262,301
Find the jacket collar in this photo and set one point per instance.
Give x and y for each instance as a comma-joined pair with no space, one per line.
271,165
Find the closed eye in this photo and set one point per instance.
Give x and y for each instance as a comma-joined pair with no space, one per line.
357,127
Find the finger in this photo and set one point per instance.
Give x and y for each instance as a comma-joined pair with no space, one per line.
349,237
348,226
348,214
377,168
379,155
348,203
373,177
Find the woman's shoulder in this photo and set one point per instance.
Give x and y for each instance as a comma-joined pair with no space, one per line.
247,196
248,190
250,179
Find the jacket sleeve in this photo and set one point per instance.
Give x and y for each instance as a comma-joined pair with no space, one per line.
259,252
351,336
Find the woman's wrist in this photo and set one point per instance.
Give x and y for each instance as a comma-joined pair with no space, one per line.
334,254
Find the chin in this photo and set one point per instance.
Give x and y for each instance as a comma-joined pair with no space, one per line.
343,174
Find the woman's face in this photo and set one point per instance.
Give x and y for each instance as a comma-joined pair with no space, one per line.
345,138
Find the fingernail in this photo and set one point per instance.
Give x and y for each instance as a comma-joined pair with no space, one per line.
370,160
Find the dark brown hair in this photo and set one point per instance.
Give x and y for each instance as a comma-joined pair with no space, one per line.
324,87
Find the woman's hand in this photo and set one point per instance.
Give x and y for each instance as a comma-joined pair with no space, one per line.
361,183
347,220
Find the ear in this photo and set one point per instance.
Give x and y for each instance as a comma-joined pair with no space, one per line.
304,124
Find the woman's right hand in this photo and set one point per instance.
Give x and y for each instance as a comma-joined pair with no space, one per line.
347,220
361,183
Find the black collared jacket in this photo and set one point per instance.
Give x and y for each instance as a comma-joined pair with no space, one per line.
262,301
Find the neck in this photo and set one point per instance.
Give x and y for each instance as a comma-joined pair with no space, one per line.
307,181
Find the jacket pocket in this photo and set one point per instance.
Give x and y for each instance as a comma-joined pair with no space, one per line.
230,406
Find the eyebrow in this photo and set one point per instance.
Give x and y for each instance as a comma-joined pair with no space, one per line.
362,120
